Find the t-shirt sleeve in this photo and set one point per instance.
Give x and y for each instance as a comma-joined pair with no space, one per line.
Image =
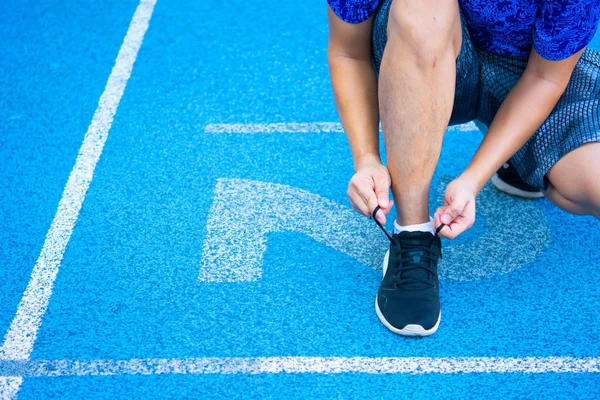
353,11
563,27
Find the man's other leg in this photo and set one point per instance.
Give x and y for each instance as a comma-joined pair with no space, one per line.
416,94
575,181
507,179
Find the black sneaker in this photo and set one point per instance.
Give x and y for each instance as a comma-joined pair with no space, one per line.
408,300
507,180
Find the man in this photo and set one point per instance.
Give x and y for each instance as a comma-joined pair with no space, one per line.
519,67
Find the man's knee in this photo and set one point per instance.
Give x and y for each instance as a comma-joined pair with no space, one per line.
584,197
576,176
425,27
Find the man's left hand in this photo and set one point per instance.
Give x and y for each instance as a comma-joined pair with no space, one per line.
458,211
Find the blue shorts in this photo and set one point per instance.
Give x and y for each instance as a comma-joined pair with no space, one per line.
483,80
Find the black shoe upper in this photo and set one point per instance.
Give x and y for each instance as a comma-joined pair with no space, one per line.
508,173
409,291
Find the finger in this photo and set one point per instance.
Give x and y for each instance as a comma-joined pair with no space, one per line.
387,209
370,201
382,189
448,231
452,211
380,215
355,207
458,226
357,202
361,208
470,214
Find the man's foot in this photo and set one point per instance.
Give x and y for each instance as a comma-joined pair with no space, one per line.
408,300
507,180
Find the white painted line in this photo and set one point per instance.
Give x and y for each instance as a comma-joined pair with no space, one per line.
302,127
468,127
9,386
294,365
291,127
20,338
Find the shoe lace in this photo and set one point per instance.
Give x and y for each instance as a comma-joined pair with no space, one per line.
414,256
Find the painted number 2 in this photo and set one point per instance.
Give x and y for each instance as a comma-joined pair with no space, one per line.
234,252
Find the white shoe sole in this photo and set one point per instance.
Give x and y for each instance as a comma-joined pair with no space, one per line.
506,188
408,330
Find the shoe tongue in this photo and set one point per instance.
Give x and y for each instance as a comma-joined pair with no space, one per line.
414,241
418,235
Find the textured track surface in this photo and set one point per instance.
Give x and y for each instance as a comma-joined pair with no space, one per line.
196,244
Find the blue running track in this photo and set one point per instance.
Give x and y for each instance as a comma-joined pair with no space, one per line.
215,254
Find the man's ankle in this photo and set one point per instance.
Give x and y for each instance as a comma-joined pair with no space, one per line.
420,227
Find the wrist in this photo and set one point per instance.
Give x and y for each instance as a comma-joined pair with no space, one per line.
474,180
364,159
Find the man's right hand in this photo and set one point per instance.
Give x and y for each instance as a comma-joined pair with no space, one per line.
369,188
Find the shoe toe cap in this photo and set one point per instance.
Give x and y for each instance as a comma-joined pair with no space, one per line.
402,312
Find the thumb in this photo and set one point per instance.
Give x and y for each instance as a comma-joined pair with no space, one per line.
382,193
451,212
383,200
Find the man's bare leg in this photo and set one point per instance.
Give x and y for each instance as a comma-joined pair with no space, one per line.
575,181
416,94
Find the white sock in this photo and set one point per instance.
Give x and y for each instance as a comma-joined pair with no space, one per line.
424,227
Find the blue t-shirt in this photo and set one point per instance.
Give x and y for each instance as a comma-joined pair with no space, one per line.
557,29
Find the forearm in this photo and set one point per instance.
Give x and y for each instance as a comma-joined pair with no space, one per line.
355,90
523,111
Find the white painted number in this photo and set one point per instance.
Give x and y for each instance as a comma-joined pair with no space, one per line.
245,211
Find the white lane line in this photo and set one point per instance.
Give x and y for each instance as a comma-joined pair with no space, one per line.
9,386
291,127
20,338
302,127
292,365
